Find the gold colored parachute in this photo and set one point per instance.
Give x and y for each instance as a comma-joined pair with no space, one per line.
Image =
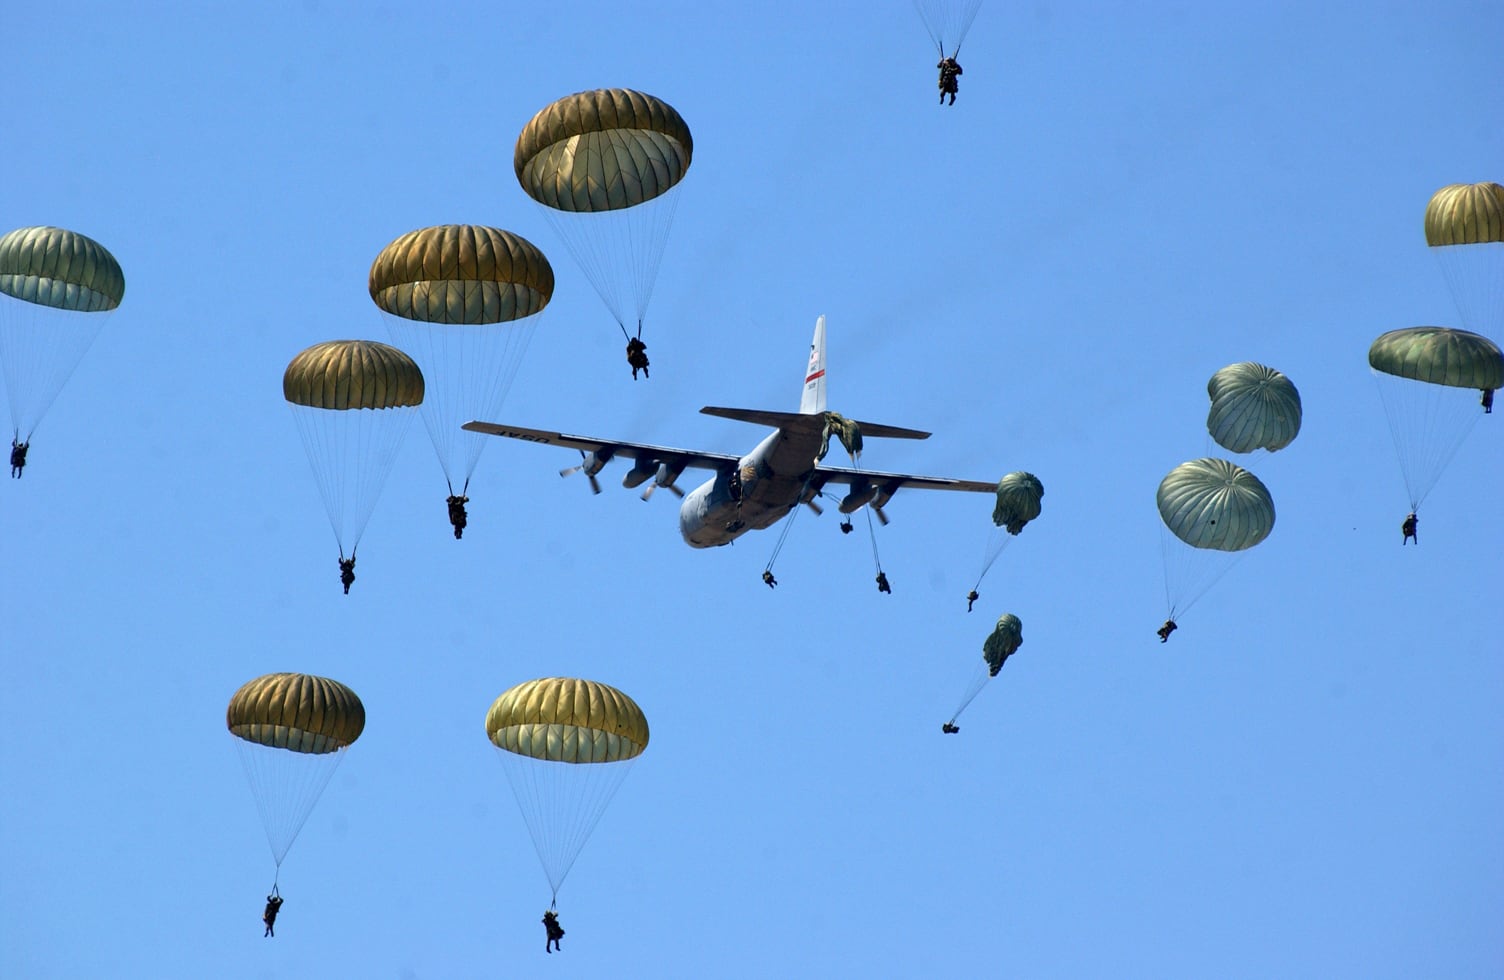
566,745
564,719
604,167
1465,214
60,268
291,731
602,150
342,375
1253,407
297,712
461,274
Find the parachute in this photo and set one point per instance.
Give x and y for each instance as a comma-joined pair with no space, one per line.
292,731
1006,637
605,166
352,400
1430,380
1212,511
566,745
947,22
59,287
1253,407
848,431
1018,502
463,301
1465,231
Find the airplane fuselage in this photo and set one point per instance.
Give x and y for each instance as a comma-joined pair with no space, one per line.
769,482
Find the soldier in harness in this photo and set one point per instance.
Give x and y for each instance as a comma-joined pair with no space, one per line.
950,69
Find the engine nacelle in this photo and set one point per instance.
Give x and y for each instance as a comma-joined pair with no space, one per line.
638,474
858,498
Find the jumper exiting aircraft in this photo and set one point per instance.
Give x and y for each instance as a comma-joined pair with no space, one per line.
755,491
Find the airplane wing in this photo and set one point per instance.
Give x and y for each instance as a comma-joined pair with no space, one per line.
608,448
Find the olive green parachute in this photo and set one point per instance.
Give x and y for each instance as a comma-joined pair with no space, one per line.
566,745
605,167
1431,380
1004,640
463,274
847,430
1439,356
563,719
1253,407
297,712
1007,636
1018,500
60,268
602,150
291,731
1215,505
344,375
1465,214
57,288
352,401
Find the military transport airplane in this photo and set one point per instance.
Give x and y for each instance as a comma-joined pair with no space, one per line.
755,491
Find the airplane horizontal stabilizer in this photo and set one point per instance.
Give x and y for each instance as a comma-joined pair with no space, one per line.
812,423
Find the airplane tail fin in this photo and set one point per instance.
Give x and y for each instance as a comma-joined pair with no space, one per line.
812,400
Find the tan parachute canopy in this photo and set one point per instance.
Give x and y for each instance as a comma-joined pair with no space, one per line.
1440,356
564,719
602,150
1018,500
60,268
1465,214
297,712
468,274
349,374
1253,407
1007,636
1216,505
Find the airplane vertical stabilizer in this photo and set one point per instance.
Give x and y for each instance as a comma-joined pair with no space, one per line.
812,401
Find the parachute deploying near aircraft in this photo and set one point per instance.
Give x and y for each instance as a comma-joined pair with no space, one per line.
605,166
1212,511
1253,407
566,745
58,289
463,302
1004,640
1018,502
292,730
1431,380
1465,231
352,400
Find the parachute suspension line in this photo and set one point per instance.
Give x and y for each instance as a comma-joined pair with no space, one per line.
788,522
980,675
872,534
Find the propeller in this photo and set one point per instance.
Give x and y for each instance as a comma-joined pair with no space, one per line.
668,475
591,463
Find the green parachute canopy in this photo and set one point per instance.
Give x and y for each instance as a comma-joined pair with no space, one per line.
60,268
1213,504
1007,636
1253,407
1018,500
1439,356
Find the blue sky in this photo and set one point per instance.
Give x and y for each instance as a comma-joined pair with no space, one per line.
1125,198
